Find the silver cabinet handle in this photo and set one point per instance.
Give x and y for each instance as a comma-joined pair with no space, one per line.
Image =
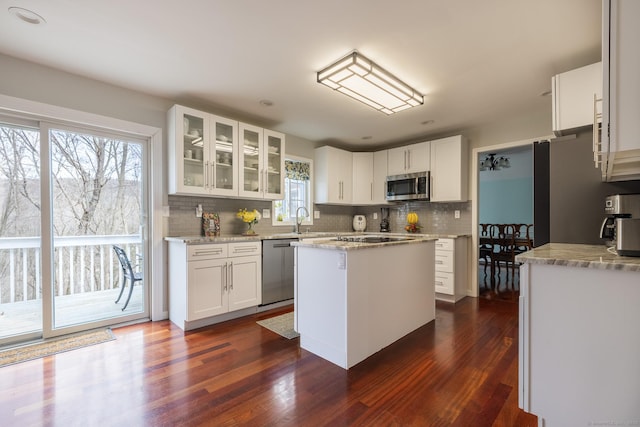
206,174
224,277
405,159
231,276
265,190
409,159
212,175
244,249
216,251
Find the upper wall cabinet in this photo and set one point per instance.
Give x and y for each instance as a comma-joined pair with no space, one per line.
203,153
333,176
408,159
573,98
215,156
261,159
362,178
380,160
619,150
449,169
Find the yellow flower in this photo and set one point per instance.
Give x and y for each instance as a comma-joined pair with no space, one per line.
250,217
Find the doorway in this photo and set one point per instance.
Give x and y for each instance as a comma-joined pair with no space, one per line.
503,196
67,196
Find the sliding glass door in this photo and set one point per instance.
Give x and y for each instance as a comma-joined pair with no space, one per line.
20,261
69,198
97,206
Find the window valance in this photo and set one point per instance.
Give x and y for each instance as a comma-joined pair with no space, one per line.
297,170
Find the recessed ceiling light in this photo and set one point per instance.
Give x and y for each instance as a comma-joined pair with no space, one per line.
266,103
427,122
26,15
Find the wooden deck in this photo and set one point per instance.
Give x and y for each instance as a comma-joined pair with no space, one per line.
23,317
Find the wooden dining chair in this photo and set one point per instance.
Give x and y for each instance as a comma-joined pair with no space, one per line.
503,242
485,247
523,238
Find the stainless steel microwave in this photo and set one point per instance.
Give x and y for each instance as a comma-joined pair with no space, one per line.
411,186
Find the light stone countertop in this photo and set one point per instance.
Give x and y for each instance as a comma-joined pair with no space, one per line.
341,245
231,238
586,256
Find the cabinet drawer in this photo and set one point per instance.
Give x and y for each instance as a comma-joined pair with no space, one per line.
444,261
245,248
196,252
444,244
444,283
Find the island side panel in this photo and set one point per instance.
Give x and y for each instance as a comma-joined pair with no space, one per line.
390,293
583,345
321,303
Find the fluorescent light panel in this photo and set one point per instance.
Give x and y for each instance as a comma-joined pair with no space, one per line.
365,81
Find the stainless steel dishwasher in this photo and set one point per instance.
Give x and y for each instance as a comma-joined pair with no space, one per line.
277,270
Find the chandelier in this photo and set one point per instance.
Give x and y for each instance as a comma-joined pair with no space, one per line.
493,163
365,81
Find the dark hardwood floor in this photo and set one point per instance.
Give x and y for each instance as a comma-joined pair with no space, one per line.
460,370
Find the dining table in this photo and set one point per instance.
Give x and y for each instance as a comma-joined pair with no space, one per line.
517,244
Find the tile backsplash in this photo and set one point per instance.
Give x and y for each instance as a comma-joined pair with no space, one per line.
434,217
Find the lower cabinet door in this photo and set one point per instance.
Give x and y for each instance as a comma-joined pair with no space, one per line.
245,278
444,283
206,288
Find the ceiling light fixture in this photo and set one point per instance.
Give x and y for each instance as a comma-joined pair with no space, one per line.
26,15
363,80
493,163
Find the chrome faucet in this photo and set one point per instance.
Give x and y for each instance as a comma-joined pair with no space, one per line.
298,220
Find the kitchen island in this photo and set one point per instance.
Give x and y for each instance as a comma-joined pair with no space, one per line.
579,346
354,298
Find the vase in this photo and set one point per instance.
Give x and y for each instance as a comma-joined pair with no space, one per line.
250,231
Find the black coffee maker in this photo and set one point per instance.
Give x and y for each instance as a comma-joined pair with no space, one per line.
384,220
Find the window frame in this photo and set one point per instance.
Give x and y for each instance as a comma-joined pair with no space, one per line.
309,204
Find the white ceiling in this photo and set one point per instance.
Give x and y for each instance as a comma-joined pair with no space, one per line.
475,61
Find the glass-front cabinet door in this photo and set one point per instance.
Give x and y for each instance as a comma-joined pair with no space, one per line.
274,164
223,157
191,133
251,161
205,153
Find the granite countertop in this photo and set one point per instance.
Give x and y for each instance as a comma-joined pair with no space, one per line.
572,255
230,238
341,245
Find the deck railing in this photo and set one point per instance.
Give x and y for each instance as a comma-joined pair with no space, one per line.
81,264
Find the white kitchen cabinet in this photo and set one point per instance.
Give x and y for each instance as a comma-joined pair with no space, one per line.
333,176
203,153
449,169
380,159
209,280
409,159
362,178
572,98
577,341
261,160
619,151
451,269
